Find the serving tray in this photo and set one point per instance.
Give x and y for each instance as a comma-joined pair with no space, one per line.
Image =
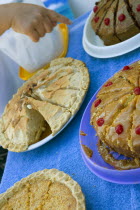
95,47
96,164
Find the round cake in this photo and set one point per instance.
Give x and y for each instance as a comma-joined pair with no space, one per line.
44,104
115,115
116,20
48,189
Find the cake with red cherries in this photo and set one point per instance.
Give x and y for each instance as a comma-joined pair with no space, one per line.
115,21
115,115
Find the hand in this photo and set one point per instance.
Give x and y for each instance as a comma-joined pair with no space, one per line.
33,20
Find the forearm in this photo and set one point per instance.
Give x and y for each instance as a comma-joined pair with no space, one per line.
29,19
6,15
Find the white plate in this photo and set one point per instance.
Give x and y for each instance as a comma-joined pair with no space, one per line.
9,75
95,47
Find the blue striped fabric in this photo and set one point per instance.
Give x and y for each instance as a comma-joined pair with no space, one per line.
63,152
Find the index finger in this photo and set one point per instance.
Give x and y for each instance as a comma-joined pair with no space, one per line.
56,17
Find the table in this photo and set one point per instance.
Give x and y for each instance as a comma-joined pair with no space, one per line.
63,152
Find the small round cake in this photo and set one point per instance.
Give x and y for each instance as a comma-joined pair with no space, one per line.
116,20
115,115
48,189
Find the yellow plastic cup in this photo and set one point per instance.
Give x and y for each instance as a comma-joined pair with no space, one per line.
25,75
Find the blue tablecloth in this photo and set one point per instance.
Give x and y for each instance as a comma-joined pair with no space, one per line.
63,152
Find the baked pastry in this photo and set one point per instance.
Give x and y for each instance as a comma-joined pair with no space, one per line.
44,104
115,115
47,189
115,21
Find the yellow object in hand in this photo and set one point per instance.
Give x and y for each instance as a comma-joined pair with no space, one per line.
25,75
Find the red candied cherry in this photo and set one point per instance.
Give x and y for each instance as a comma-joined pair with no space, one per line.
126,68
96,19
137,130
106,21
97,102
138,8
100,121
108,84
137,90
121,17
119,129
95,9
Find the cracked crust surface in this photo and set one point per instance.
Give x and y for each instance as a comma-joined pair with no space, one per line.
119,105
51,96
127,28
116,20
48,189
107,32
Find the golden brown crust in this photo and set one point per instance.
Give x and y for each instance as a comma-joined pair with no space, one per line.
121,164
40,183
134,9
103,7
58,90
107,32
127,28
118,107
116,21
